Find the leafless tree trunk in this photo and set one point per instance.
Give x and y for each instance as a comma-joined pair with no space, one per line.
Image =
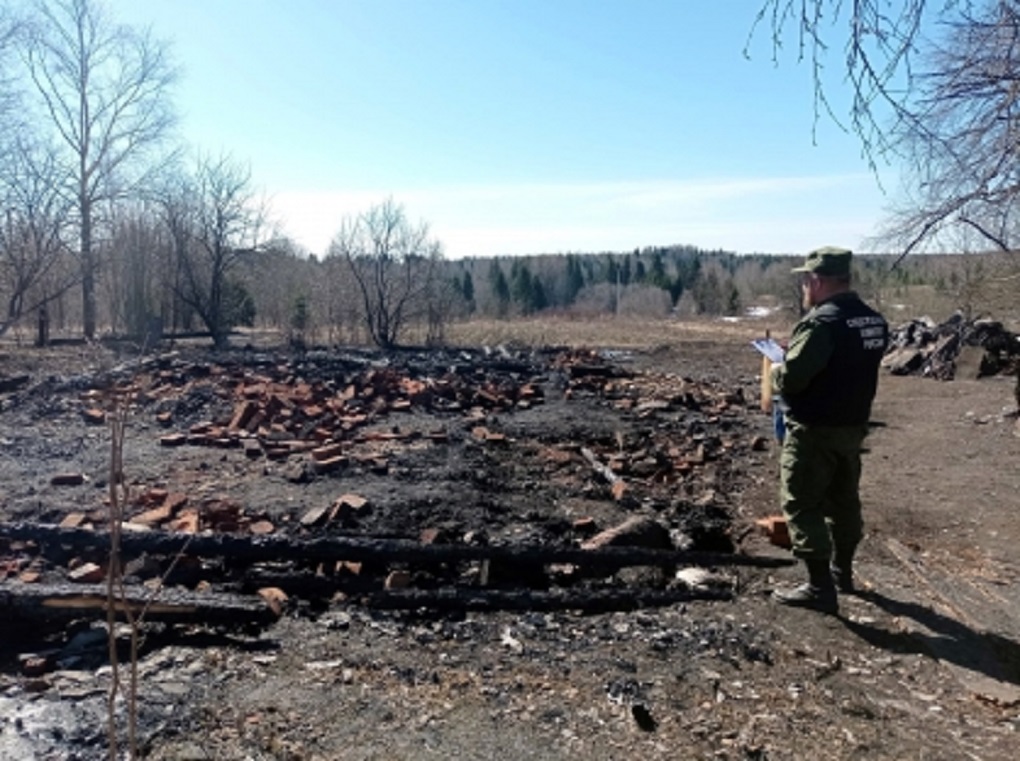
215,220
34,256
104,89
136,279
394,265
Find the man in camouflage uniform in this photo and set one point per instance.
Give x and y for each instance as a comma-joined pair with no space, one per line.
828,381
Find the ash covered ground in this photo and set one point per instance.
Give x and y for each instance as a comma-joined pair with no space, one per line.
474,448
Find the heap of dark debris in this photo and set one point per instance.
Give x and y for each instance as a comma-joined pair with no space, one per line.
955,347
485,447
666,474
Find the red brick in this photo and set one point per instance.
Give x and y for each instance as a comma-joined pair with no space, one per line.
261,528
348,567
186,522
277,452
243,414
349,506
618,489
634,532
321,454
333,463
155,515
430,535
275,598
87,573
314,515
94,416
72,520
36,665
153,496
398,580
774,527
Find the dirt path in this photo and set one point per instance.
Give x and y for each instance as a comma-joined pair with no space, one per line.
943,489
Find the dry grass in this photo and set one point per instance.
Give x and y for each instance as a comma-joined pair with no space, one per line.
630,333
996,299
617,333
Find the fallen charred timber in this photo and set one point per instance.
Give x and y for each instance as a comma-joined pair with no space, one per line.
13,382
585,600
359,549
65,602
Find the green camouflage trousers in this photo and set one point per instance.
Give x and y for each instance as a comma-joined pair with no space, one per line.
820,474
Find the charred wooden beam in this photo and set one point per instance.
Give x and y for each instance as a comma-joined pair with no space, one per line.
51,603
580,370
588,601
13,382
359,549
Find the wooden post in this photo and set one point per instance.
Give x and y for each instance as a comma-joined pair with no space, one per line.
766,381
43,336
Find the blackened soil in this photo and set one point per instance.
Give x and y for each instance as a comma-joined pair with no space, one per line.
907,670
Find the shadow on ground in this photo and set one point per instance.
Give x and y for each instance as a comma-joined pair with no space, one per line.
943,637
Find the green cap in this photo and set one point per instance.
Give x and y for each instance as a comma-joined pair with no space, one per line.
827,261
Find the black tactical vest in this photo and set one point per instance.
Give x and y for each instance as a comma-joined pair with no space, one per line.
841,394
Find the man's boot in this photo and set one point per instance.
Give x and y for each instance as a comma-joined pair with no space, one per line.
819,593
842,571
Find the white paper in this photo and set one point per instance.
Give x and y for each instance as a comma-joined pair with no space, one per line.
770,349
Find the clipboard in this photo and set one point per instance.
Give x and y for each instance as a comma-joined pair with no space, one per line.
769,348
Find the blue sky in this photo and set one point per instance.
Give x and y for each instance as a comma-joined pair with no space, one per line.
524,126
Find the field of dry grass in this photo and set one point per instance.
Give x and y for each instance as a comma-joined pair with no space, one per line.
617,333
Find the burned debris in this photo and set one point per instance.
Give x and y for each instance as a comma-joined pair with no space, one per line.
956,347
525,481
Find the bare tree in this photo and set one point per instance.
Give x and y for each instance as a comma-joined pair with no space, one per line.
136,281
394,264
33,232
342,314
215,220
934,83
281,276
880,42
105,91
964,146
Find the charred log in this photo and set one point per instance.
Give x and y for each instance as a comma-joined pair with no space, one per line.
13,383
358,549
51,603
587,601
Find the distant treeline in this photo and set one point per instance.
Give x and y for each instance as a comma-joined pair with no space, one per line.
319,299
679,281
